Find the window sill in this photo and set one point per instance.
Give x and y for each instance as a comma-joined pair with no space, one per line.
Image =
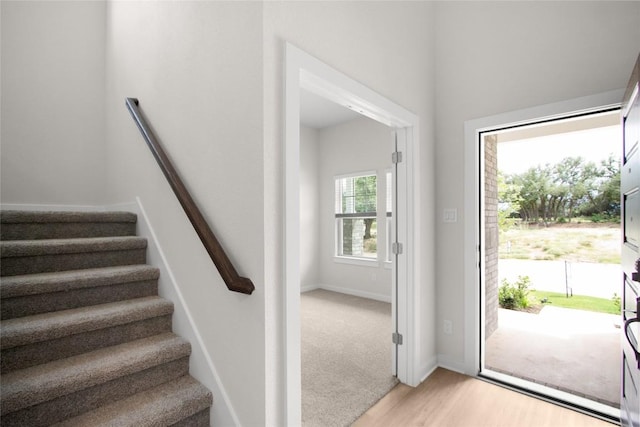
365,262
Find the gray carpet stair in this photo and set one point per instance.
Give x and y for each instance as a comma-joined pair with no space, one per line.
84,338
42,256
20,225
29,294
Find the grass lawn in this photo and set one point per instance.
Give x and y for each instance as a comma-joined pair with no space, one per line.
598,243
578,302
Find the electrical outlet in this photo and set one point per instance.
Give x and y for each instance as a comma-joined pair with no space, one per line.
450,215
448,327
374,277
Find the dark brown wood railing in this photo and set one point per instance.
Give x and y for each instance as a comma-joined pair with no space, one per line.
229,274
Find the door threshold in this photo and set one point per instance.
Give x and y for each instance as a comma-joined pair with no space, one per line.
552,395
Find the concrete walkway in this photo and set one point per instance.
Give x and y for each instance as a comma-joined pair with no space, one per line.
570,350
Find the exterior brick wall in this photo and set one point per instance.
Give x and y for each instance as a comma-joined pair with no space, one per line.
490,276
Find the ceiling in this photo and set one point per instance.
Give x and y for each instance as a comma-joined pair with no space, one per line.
318,112
558,126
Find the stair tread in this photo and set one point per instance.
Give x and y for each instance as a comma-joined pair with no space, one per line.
53,325
19,217
79,309
16,248
38,283
30,386
163,405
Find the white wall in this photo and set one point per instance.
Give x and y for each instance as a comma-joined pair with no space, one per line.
209,76
309,208
495,57
206,74
356,146
52,102
196,68
387,46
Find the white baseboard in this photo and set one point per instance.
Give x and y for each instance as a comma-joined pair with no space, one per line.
446,363
307,288
348,291
427,368
201,366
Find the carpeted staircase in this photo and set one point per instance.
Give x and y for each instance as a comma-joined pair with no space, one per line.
85,338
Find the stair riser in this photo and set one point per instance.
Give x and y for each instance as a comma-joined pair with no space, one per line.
36,231
12,266
181,402
47,351
55,301
201,419
105,375
73,404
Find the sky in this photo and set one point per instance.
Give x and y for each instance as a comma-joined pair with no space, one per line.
593,145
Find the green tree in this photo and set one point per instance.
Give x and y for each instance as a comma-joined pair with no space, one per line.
508,201
366,200
603,197
569,188
567,178
534,187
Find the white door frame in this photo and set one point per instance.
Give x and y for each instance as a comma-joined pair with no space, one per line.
472,167
302,71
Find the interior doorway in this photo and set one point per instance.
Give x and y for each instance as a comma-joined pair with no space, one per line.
551,261
306,72
346,323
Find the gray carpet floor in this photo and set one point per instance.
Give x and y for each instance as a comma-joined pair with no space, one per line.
346,356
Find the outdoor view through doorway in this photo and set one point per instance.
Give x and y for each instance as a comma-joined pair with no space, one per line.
550,197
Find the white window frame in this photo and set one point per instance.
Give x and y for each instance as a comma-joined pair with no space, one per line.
352,259
388,176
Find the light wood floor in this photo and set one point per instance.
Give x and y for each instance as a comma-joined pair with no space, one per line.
447,398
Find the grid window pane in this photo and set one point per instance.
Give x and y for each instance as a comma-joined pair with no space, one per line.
355,210
358,237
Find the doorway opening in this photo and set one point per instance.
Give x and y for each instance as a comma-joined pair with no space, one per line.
345,267
550,258
304,72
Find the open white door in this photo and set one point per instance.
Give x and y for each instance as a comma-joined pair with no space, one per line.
630,203
399,249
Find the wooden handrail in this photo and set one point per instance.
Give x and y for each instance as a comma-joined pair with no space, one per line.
229,274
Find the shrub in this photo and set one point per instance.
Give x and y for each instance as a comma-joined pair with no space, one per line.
605,217
370,245
514,296
616,301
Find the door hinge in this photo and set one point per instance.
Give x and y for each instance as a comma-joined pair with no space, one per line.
396,248
396,338
396,157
